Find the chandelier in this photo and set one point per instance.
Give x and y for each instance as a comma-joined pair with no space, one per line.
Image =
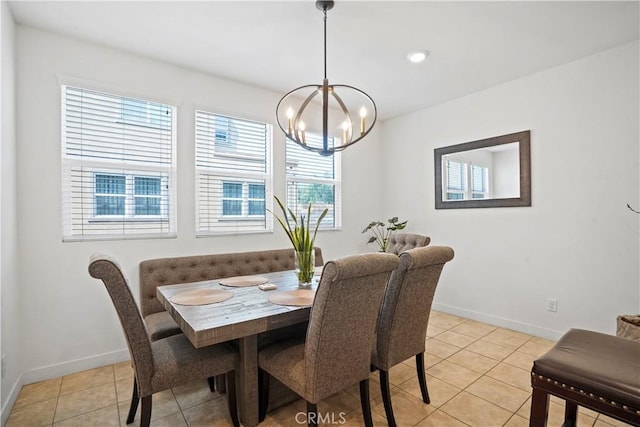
294,112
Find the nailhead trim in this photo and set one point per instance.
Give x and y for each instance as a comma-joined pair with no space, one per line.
591,395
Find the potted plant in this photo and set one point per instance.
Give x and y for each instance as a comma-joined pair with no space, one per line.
301,239
382,232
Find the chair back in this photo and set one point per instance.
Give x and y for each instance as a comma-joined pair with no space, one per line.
400,242
404,315
107,269
342,323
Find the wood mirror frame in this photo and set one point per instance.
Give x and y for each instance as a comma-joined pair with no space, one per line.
524,140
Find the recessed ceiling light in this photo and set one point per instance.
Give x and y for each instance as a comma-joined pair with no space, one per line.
418,56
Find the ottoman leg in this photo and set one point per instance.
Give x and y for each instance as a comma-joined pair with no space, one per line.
539,408
570,414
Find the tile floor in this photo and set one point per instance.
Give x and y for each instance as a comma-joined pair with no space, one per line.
477,374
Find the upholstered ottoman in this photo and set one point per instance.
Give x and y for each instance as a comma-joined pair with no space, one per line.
597,371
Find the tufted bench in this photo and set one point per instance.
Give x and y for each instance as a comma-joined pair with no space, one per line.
400,242
171,271
598,371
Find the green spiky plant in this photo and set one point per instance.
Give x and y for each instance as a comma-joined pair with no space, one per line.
382,232
300,237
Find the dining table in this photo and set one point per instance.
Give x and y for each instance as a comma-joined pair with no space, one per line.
247,312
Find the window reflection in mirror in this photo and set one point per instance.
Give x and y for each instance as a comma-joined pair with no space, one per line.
492,172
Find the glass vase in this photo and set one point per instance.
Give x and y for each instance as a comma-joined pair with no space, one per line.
304,262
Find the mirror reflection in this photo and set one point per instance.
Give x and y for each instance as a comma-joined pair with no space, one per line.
492,172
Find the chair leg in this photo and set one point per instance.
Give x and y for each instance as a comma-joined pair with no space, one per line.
570,414
212,383
386,397
145,416
312,414
365,402
231,397
220,384
134,402
422,379
539,408
263,391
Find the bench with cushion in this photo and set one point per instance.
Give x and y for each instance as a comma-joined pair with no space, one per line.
171,271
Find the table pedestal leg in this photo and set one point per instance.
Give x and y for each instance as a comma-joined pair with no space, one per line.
247,374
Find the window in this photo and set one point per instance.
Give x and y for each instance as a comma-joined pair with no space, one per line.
313,179
118,166
464,181
233,168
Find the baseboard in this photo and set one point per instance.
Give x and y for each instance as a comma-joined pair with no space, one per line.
73,366
500,321
11,400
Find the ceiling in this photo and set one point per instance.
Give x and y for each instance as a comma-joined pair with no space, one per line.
277,45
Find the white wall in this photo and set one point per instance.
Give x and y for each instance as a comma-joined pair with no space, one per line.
10,338
578,242
66,315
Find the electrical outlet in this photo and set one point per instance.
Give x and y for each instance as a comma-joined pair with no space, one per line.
552,305
4,365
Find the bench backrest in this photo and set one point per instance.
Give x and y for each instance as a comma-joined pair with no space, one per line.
171,271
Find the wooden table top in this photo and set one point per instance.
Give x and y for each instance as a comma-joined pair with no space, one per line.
248,312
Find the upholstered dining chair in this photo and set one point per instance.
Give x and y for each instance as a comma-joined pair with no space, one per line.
336,352
399,242
404,315
164,363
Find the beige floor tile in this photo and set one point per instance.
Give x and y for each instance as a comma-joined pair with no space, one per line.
608,421
581,410
355,419
473,329
520,359
36,414
512,375
400,373
81,402
374,389
517,421
339,402
173,420
407,408
124,390
475,411
123,370
537,346
453,374
440,419
439,391
286,416
105,417
163,404
445,321
488,349
87,379
38,392
498,393
433,330
506,338
456,339
474,361
213,413
440,349
193,394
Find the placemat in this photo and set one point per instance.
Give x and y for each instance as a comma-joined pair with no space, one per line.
201,296
298,297
243,281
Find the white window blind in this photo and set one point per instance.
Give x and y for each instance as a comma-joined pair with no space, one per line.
314,179
118,167
233,175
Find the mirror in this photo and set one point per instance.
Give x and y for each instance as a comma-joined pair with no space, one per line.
488,173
